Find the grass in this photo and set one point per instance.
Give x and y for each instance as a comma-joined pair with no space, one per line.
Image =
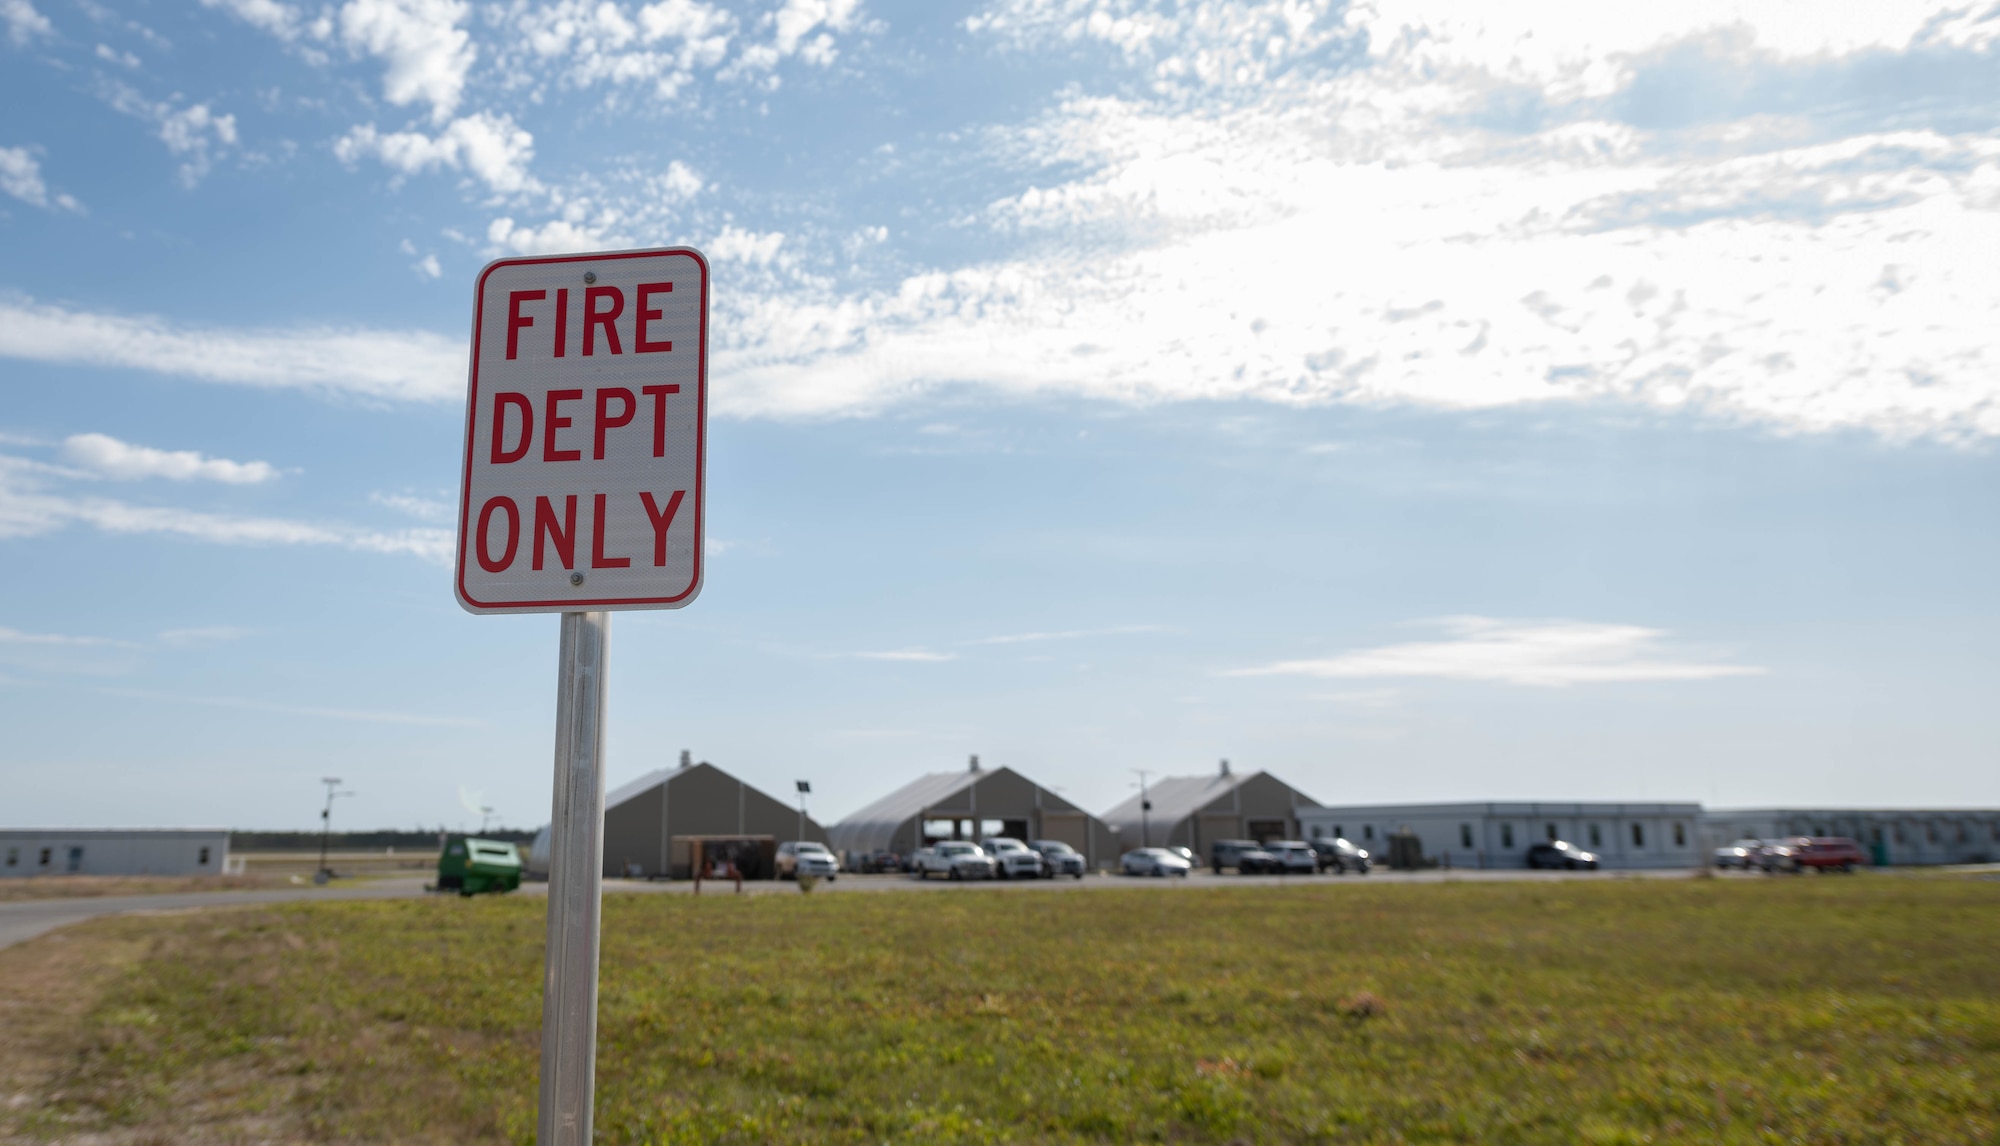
1816,1010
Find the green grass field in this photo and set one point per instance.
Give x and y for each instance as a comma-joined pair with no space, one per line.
1819,1010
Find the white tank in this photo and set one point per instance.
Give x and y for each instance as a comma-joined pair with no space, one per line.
537,865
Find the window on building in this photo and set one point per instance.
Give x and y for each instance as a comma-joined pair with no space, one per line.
1875,835
13,857
1930,832
1596,836
1506,835
1680,834
1337,833
1368,831
1465,835
1961,833
1551,832
203,858
47,855
1638,835
1899,833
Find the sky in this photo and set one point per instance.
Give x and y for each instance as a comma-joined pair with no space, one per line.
1416,400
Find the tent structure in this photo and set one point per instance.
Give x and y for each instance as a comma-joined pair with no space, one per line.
1194,811
970,805
662,822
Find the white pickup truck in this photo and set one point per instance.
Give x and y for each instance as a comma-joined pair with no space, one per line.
1015,859
953,859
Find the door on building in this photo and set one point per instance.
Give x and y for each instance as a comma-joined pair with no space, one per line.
76,859
1067,827
1264,831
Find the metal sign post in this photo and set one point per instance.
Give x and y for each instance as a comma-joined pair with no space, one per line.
576,883
585,456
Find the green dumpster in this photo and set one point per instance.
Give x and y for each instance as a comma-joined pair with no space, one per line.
470,865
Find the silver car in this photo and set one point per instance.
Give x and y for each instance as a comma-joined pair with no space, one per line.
1153,862
955,859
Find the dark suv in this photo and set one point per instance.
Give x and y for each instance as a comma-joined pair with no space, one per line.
1248,857
1563,854
1341,855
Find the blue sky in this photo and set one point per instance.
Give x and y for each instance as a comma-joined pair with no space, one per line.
1574,401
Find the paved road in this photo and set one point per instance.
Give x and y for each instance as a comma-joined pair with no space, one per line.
24,919
21,920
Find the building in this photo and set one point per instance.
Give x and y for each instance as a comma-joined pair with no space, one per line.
1194,811
971,805
660,824
113,851
1890,836
1496,835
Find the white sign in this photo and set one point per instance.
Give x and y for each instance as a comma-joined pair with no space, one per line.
585,432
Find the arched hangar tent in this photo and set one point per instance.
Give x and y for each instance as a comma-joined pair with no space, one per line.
1194,811
659,824
970,805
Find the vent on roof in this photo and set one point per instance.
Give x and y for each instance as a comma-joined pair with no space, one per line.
975,762
1225,767
687,758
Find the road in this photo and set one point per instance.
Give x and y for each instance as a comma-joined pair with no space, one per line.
21,920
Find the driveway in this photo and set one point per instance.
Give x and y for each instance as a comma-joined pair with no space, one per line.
26,918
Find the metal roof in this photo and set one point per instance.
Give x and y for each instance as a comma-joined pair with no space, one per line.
861,830
1178,797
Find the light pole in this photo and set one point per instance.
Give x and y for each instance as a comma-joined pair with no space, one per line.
326,825
805,789
1145,811
485,814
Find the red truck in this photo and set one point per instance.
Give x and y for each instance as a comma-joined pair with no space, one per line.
1825,852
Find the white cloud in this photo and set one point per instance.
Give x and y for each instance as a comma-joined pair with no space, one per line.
1066,635
281,20
204,635
916,655
553,237
17,637
597,42
421,508
26,509
21,177
194,133
384,364
113,458
363,716
1533,653
427,55
24,23
492,148
1273,229
428,267
111,55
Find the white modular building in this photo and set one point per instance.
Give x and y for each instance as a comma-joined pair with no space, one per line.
113,851
1890,836
1497,835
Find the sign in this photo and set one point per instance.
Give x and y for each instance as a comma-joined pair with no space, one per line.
585,434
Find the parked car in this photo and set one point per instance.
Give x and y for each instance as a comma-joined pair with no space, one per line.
1341,855
881,860
1824,853
1058,858
1743,854
1014,859
1186,854
1295,857
955,859
1778,855
1561,854
1248,857
804,857
1153,862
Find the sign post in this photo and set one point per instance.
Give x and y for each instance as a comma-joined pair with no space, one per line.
583,493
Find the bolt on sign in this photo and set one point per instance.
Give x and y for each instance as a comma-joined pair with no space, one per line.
584,440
